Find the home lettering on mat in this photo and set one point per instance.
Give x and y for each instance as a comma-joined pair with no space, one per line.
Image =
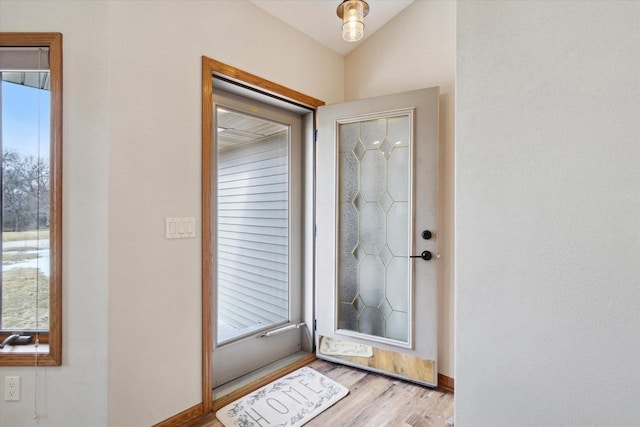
281,402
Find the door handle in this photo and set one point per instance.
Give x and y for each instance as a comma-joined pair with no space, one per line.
425,255
281,330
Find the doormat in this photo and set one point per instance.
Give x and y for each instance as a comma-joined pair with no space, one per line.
289,401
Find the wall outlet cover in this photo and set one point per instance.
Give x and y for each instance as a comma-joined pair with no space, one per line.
11,388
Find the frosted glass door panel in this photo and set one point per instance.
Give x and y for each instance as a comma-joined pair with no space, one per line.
374,226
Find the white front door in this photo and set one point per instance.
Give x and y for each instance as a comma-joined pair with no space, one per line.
376,208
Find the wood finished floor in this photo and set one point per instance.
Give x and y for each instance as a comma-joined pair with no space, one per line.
376,400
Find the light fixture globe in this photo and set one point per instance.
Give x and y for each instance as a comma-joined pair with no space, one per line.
352,13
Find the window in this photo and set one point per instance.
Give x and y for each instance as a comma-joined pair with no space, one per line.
31,215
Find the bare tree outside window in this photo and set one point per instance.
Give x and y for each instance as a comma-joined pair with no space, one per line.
25,230
25,192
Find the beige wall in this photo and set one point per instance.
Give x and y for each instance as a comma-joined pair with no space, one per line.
75,394
132,84
132,157
417,50
548,214
155,367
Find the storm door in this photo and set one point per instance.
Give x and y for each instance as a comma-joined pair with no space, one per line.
257,196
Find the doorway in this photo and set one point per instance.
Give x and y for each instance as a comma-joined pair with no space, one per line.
242,251
399,328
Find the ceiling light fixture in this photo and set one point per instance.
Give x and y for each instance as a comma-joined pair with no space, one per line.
352,13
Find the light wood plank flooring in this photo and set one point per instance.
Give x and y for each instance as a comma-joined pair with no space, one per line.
376,400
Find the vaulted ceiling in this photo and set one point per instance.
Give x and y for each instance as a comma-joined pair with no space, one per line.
318,18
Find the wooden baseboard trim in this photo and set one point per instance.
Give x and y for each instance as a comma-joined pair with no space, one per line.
446,383
183,418
243,391
196,413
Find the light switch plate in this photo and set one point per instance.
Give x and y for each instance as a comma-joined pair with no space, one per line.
180,227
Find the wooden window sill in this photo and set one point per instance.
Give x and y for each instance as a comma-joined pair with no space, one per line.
25,355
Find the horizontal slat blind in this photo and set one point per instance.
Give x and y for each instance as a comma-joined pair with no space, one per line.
27,66
24,58
253,236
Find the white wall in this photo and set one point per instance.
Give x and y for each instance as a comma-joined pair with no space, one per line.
417,50
132,88
155,79
74,394
547,214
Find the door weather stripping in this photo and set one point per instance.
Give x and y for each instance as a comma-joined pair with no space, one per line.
281,330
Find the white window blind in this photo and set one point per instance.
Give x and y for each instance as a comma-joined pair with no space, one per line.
28,66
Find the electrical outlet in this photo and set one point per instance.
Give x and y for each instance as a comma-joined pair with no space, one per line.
11,389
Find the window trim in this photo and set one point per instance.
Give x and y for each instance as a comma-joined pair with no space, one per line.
50,351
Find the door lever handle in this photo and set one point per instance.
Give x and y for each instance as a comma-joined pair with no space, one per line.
425,255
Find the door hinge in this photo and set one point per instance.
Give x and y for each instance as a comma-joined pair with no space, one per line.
315,135
315,324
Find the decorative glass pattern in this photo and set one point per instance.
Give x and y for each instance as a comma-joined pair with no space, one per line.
374,217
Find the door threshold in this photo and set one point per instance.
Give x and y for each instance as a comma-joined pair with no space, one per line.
233,390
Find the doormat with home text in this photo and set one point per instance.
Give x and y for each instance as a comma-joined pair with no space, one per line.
289,401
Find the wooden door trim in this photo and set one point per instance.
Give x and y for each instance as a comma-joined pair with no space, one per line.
210,68
247,79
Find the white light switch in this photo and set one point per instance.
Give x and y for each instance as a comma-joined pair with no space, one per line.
180,228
